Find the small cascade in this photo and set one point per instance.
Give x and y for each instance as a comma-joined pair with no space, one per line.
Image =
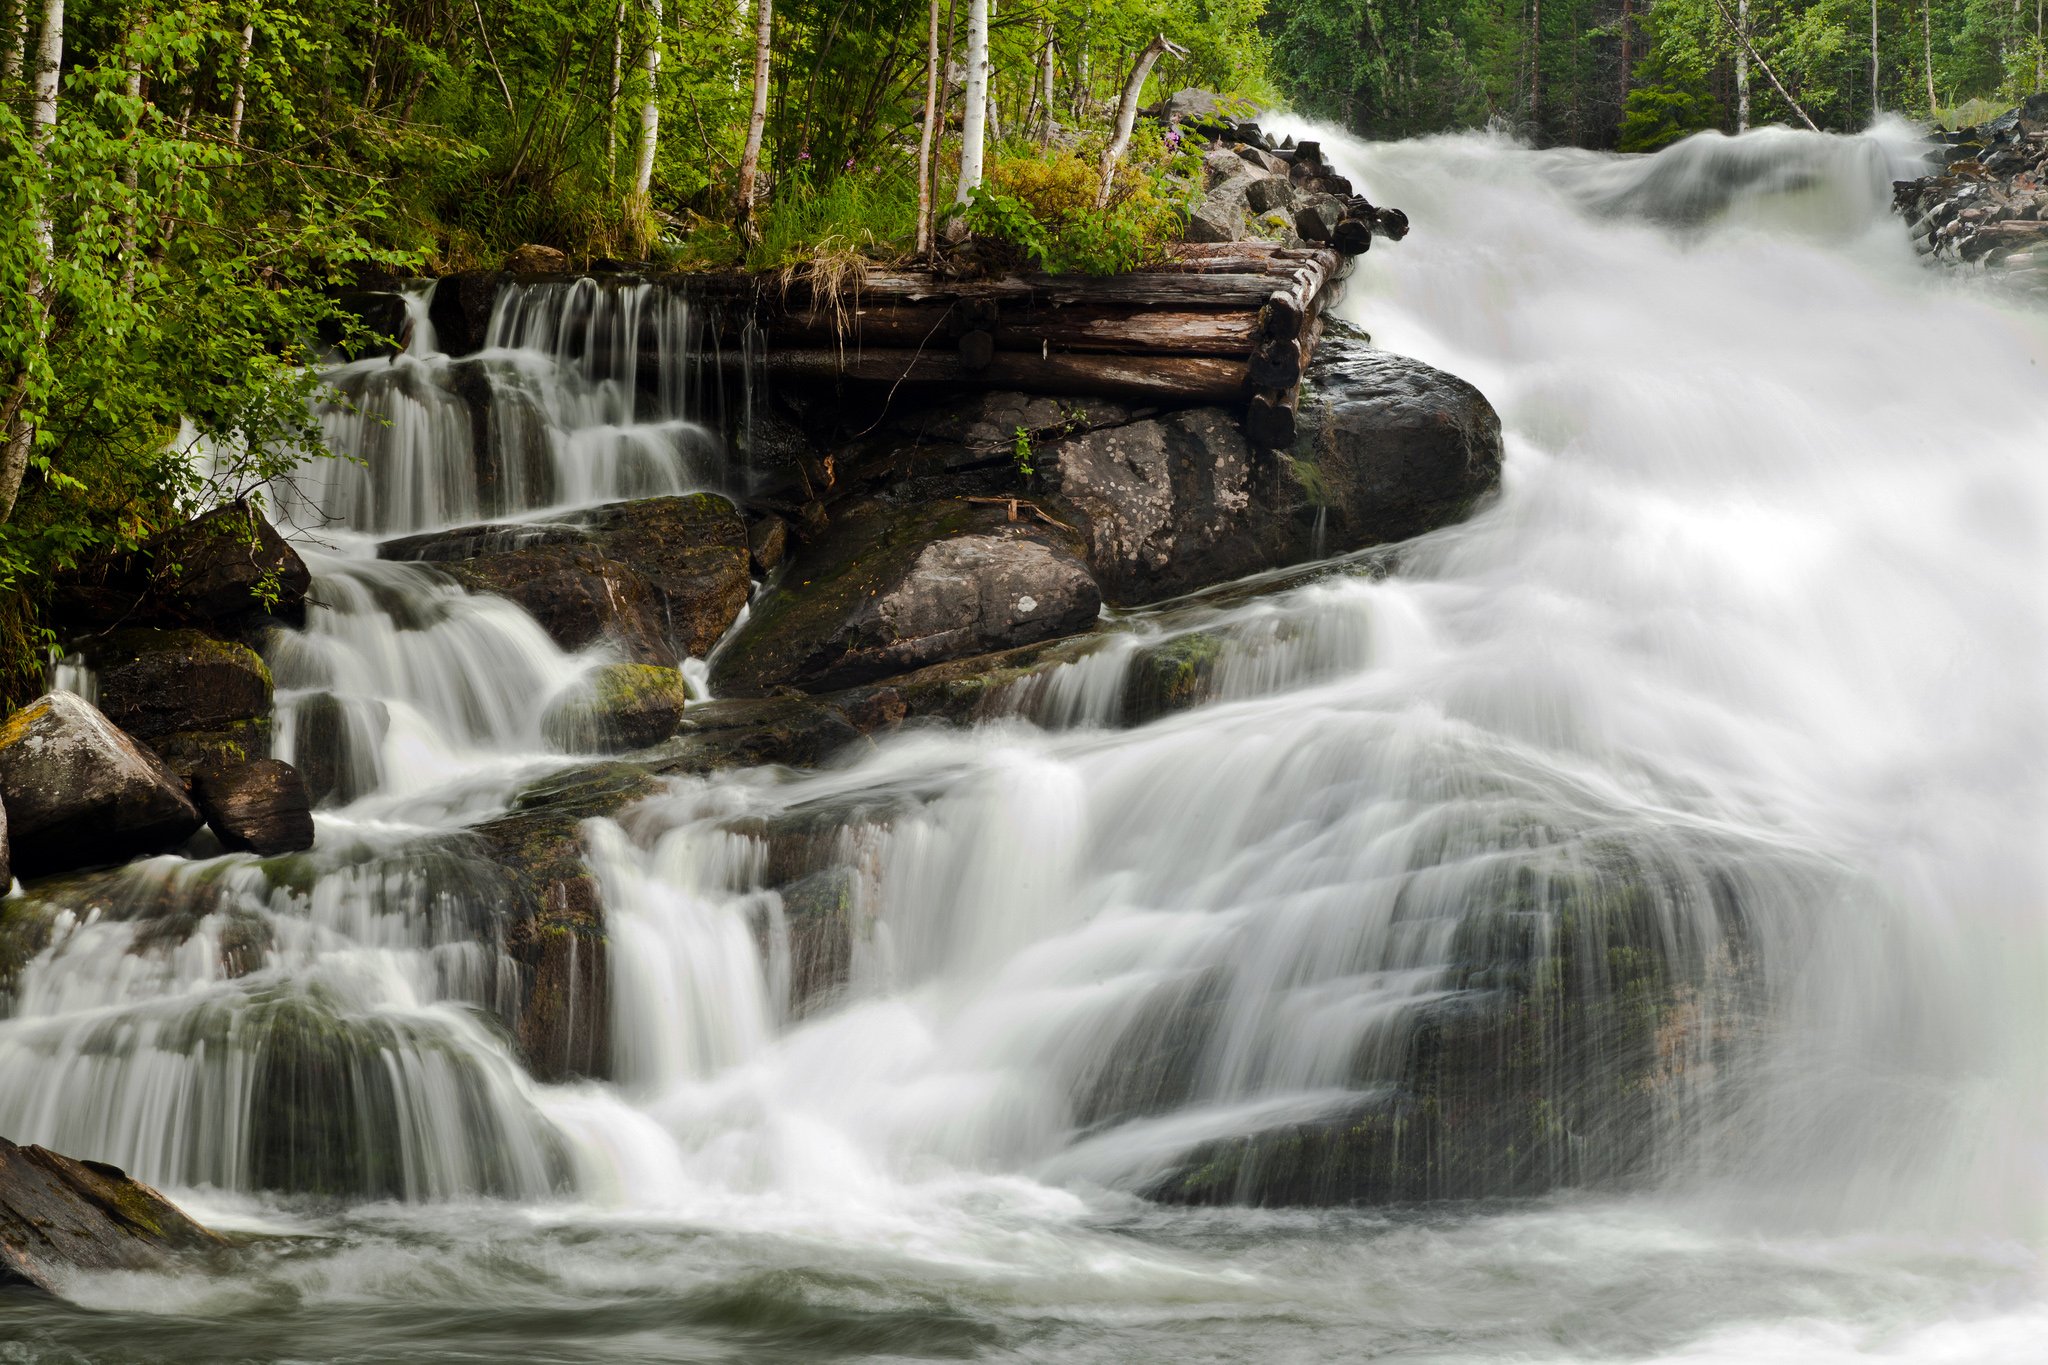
585,392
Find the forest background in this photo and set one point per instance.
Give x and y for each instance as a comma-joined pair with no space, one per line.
186,186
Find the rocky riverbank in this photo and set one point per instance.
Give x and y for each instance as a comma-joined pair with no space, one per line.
1988,204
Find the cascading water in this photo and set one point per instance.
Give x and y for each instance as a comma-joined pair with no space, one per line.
1712,744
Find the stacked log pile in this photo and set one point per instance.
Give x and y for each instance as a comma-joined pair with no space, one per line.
1989,202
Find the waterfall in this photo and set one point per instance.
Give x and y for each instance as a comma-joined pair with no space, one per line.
1663,843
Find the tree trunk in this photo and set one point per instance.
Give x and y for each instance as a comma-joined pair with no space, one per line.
611,107
1874,110
1628,18
650,111
1127,113
1536,64
15,14
18,427
1927,50
241,85
49,68
757,123
974,115
1765,67
1046,87
928,140
1742,67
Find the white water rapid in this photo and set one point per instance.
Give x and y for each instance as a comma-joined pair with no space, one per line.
1729,710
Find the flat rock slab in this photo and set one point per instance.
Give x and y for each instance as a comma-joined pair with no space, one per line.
79,792
59,1215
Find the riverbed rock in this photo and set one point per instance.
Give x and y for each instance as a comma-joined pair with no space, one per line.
59,1216
460,310
79,792
1390,447
332,740
1988,204
224,566
662,578
191,696
897,586
260,806
617,707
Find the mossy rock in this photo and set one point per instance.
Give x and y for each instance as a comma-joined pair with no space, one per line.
617,707
186,752
1172,675
157,683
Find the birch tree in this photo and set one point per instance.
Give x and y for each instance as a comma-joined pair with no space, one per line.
16,421
1742,67
650,108
928,138
974,116
757,122
1127,113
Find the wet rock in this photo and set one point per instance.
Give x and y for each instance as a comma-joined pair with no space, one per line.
1164,504
767,543
1389,447
894,587
556,935
794,732
157,684
660,577
59,1216
1172,675
617,707
460,310
578,596
6,853
823,917
535,259
260,806
79,792
331,738
220,570
1269,194
1986,204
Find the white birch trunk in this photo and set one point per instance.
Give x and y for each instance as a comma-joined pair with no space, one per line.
757,121
49,67
1742,68
1127,113
928,139
650,110
974,117
241,85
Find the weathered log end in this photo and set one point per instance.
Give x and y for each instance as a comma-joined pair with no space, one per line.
59,1215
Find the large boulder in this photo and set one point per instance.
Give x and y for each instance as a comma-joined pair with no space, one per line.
226,570
190,696
1388,448
662,578
1397,447
259,806
617,707
79,792
894,587
59,1216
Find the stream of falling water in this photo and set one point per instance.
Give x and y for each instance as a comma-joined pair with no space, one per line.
1753,638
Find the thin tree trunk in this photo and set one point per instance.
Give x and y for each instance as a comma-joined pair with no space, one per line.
241,85
1536,64
1874,110
757,122
1047,74
974,114
484,31
650,110
1927,50
1742,67
1127,113
611,106
1628,18
131,178
929,138
15,13
19,429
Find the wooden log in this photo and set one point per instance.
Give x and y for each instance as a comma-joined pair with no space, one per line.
1269,419
1277,364
1076,328
1195,379
1157,289
977,349
1353,237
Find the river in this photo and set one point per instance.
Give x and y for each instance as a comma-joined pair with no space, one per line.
1760,604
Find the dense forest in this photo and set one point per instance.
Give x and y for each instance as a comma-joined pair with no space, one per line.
189,183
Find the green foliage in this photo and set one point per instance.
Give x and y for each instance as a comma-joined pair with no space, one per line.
1042,205
1020,451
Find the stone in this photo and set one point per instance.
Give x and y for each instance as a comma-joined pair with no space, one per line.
1269,193
894,587
1260,159
79,792
1223,168
744,732
260,806
767,543
1397,447
662,578
1163,504
59,1216
459,310
157,683
1316,218
223,566
1217,220
617,707
6,854
535,259
332,743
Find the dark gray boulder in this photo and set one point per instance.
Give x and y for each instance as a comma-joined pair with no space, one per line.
79,792
59,1215
223,570
260,806
1397,447
190,696
894,587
